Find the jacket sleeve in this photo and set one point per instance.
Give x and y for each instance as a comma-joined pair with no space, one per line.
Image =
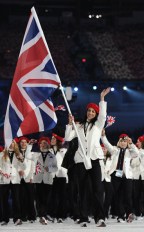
107,144
31,155
102,114
135,162
141,152
28,153
1,154
69,133
134,151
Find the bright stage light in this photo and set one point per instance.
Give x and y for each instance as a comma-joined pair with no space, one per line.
94,87
75,89
125,88
112,89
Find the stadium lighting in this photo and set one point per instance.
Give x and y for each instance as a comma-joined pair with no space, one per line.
94,87
112,89
75,89
125,88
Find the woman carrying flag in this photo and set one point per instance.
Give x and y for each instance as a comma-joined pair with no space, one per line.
90,133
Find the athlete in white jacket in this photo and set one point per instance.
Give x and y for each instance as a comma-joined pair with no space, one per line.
59,197
121,173
27,186
138,180
90,132
45,166
11,164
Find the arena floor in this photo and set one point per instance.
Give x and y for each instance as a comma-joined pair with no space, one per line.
69,226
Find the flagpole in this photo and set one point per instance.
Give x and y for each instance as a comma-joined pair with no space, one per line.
73,122
60,86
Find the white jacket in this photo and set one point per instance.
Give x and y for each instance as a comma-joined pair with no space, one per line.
1,176
138,166
11,169
106,169
130,154
29,170
61,172
90,142
50,163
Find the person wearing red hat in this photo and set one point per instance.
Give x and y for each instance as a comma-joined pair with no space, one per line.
27,187
11,163
44,142
22,139
45,166
123,157
138,180
89,131
60,180
140,142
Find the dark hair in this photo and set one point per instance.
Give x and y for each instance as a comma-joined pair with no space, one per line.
93,120
58,144
108,155
142,144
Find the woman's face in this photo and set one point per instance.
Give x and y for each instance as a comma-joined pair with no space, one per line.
123,143
104,150
90,114
23,144
44,145
53,141
139,144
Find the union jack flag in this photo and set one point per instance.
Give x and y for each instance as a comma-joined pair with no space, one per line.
60,107
5,174
30,108
110,120
38,168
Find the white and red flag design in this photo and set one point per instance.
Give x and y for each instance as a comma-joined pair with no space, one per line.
38,168
110,120
30,108
60,107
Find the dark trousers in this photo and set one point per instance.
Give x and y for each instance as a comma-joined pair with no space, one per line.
15,194
97,189
43,193
27,201
137,185
1,203
138,197
59,198
123,190
73,196
108,190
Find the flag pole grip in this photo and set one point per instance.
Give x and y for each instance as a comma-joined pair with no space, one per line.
73,122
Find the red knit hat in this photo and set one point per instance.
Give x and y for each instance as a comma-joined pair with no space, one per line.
94,106
58,137
141,138
45,139
23,138
1,148
16,140
123,136
102,145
